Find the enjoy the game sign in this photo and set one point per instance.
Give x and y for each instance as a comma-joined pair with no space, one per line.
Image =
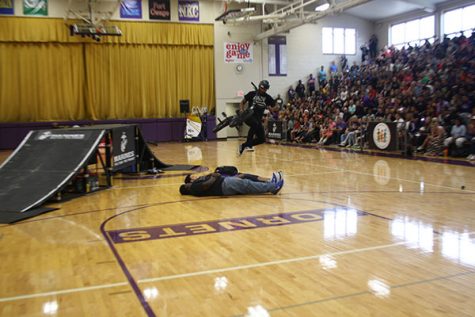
238,52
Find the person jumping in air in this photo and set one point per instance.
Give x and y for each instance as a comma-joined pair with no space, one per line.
259,101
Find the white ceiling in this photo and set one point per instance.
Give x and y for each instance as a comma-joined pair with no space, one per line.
382,9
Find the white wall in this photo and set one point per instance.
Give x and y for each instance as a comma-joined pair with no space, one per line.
304,50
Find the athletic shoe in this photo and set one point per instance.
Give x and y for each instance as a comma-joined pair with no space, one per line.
276,177
278,187
249,149
240,149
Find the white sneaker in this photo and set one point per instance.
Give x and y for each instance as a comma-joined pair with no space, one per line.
471,157
249,149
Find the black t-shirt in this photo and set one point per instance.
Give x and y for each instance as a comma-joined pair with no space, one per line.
259,103
198,189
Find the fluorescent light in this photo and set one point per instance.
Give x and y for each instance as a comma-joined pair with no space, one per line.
322,7
248,9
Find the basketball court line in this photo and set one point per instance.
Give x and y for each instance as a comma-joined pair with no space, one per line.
207,272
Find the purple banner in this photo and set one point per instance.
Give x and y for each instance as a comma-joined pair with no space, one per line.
222,225
188,10
6,7
131,9
159,9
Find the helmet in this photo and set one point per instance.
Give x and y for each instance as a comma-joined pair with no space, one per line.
264,84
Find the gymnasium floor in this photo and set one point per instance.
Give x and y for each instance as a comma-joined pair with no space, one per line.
349,235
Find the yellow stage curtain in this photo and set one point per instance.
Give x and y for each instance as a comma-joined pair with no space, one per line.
41,82
46,75
145,81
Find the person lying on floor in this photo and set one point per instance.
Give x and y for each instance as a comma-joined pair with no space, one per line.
215,184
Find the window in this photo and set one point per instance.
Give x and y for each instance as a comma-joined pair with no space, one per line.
339,41
459,20
413,32
277,56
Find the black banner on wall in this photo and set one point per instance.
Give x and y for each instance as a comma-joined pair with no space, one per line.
159,9
123,150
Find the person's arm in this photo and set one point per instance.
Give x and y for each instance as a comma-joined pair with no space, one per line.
210,181
242,104
201,185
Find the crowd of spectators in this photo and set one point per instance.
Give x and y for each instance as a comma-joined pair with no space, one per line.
428,90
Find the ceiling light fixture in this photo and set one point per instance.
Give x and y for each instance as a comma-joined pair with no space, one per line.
323,6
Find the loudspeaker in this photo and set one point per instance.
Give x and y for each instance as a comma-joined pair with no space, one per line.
184,106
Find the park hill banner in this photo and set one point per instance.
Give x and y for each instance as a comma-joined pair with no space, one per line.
238,52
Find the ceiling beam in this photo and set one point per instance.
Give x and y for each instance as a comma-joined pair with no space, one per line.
286,26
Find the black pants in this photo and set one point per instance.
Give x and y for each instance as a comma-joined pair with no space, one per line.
255,129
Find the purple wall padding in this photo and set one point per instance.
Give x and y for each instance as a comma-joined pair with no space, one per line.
153,130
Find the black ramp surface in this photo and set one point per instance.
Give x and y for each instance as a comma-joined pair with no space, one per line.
42,164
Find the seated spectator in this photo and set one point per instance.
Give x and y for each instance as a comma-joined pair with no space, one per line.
457,135
326,131
434,143
471,138
340,128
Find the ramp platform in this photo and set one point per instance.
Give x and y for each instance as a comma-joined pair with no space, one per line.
47,160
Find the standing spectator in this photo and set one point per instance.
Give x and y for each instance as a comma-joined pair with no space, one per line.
279,102
364,52
311,85
333,69
354,71
373,46
343,63
322,77
291,94
300,89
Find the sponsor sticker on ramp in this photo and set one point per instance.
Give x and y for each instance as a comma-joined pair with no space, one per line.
48,135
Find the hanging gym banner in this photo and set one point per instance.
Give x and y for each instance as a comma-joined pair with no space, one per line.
131,9
159,9
188,10
35,7
6,7
238,52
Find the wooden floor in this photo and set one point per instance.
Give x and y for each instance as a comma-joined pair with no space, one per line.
349,235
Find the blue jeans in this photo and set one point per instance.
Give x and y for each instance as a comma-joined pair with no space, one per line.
239,186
